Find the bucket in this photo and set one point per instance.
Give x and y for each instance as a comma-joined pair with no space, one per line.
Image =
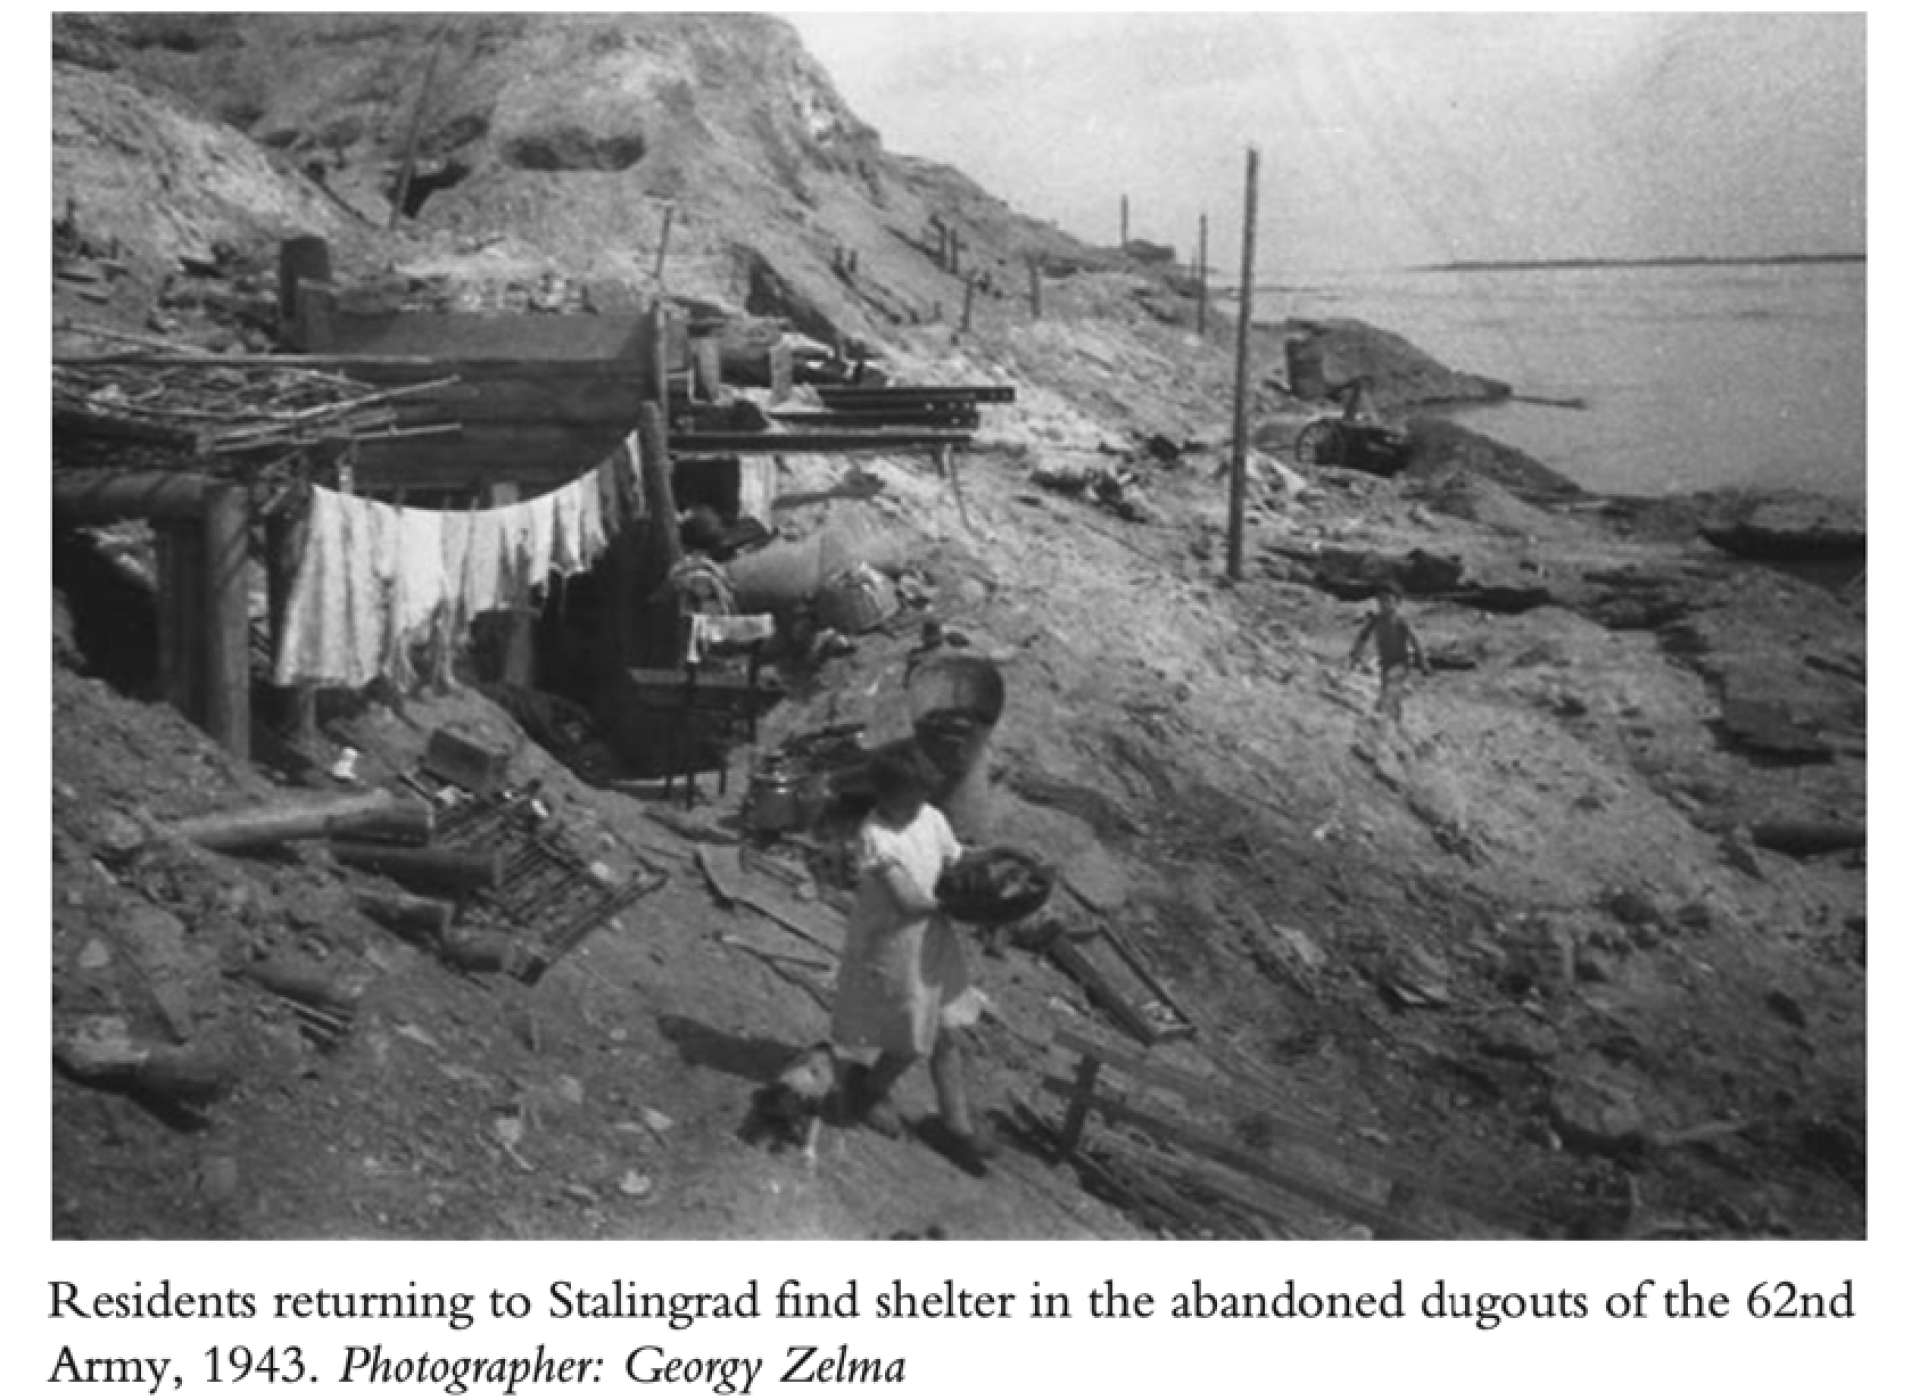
774,799
955,702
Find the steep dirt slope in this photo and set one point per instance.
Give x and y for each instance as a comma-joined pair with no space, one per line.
555,147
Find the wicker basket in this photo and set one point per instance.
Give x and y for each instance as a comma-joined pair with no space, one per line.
997,885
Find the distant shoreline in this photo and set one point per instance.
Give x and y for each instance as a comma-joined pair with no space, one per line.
1565,265
1693,260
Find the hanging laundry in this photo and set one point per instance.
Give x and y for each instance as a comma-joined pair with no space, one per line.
336,620
377,581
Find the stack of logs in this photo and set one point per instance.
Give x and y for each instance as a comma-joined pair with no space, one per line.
378,831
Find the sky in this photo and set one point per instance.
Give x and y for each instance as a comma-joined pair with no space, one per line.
1387,139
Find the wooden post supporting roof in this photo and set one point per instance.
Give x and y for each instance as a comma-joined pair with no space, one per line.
225,641
201,525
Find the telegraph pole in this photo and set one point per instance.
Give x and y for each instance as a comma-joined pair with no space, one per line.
1201,272
1237,491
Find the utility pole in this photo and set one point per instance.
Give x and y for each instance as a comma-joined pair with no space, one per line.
1237,490
1201,273
1123,223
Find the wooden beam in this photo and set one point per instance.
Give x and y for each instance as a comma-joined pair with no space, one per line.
410,916
851,395
225,637
101,497
456,872
276,823
1323,1194
762,443
1246,1100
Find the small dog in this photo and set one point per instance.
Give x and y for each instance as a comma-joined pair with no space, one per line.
788,1110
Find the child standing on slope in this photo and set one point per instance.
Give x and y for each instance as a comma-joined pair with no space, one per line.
904,988
1399,651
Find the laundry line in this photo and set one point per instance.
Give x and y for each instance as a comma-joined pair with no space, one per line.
377,582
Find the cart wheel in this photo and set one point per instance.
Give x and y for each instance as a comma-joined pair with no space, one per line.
1318,443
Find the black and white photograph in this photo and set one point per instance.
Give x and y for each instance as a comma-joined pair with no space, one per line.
918,626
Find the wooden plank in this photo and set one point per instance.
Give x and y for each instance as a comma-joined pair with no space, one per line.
1231,1097
1084,1079
876,440
735,884
854,394
1319,1193
1137,965
1237,1097
1108,998
1279,1210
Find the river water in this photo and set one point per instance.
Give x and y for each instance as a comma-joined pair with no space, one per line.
1694,377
